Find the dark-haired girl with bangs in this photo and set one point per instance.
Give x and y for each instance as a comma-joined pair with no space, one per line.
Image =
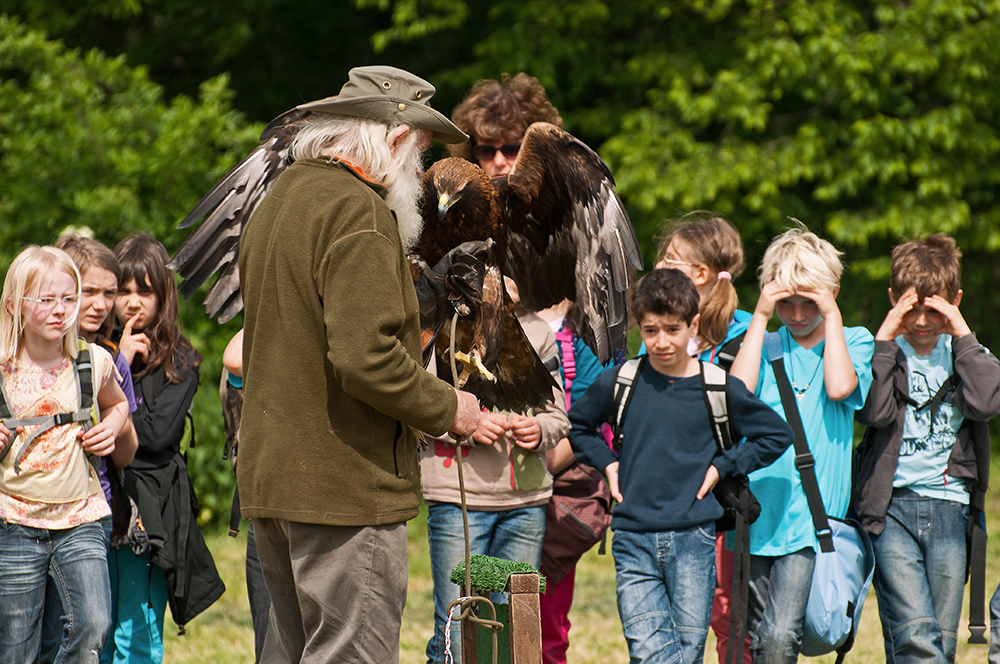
165,377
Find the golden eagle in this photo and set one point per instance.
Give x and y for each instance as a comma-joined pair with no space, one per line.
554,224
559,231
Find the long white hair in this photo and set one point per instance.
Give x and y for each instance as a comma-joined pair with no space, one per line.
365,143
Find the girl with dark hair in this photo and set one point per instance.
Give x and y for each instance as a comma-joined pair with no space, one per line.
164,377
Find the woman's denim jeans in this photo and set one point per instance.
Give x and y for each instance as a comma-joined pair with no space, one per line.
76,559
666,581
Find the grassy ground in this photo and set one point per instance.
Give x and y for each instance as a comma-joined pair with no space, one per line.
224,634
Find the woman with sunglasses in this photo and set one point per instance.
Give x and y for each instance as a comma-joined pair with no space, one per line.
495,115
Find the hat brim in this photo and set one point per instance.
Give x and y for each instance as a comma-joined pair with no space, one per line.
389,111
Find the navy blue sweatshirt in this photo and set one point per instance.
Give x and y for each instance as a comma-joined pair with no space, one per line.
668,446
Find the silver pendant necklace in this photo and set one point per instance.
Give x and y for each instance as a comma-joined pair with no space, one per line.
800,392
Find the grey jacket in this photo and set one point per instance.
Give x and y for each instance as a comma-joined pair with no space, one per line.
977,398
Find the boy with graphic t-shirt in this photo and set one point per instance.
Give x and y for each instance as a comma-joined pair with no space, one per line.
924,461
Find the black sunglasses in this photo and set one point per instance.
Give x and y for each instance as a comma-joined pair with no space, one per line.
488,152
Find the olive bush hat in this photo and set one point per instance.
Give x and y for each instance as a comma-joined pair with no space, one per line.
385,94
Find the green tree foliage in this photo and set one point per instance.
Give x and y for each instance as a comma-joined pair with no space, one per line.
86,140
870,121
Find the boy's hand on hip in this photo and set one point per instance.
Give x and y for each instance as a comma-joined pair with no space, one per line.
711,479
611,472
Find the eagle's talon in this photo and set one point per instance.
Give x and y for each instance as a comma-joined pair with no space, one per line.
470,362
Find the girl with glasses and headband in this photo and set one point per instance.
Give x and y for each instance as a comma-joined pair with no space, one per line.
54,517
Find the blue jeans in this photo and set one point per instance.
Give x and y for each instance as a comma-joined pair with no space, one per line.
76,558
779,591
665,586
54,615
994,651
511,534
920,577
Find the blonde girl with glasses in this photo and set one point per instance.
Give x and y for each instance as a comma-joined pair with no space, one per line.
54,518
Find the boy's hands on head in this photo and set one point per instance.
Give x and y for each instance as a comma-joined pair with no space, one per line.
711,479
769,296
492,426
825,299
611,473
527,432
955,324
893,326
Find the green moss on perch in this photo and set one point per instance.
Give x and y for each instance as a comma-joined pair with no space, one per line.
490,574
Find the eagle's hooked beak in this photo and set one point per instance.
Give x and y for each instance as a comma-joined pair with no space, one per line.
444,204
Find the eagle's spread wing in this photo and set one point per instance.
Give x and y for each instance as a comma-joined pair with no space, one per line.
568,235
215,244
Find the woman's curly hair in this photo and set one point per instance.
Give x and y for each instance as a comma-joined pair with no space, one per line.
497,111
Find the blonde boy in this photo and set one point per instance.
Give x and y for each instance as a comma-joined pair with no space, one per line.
828,366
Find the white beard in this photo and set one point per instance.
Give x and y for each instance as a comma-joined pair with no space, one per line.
404,183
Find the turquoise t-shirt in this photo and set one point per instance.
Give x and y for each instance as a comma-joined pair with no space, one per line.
785,523
926,446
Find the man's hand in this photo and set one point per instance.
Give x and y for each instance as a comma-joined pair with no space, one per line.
527,432
133,344
492,427
955,324
892,326
769,296
466,415
611,473
711,479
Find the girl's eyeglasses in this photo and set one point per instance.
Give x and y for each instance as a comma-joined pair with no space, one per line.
488,152
49,303
671,261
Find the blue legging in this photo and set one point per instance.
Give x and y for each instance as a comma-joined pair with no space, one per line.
138,602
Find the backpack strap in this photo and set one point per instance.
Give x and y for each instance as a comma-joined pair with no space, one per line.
565,338
725,354
85,413
804,461
714,386
621,396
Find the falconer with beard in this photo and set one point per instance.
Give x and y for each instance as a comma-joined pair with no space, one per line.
334,384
